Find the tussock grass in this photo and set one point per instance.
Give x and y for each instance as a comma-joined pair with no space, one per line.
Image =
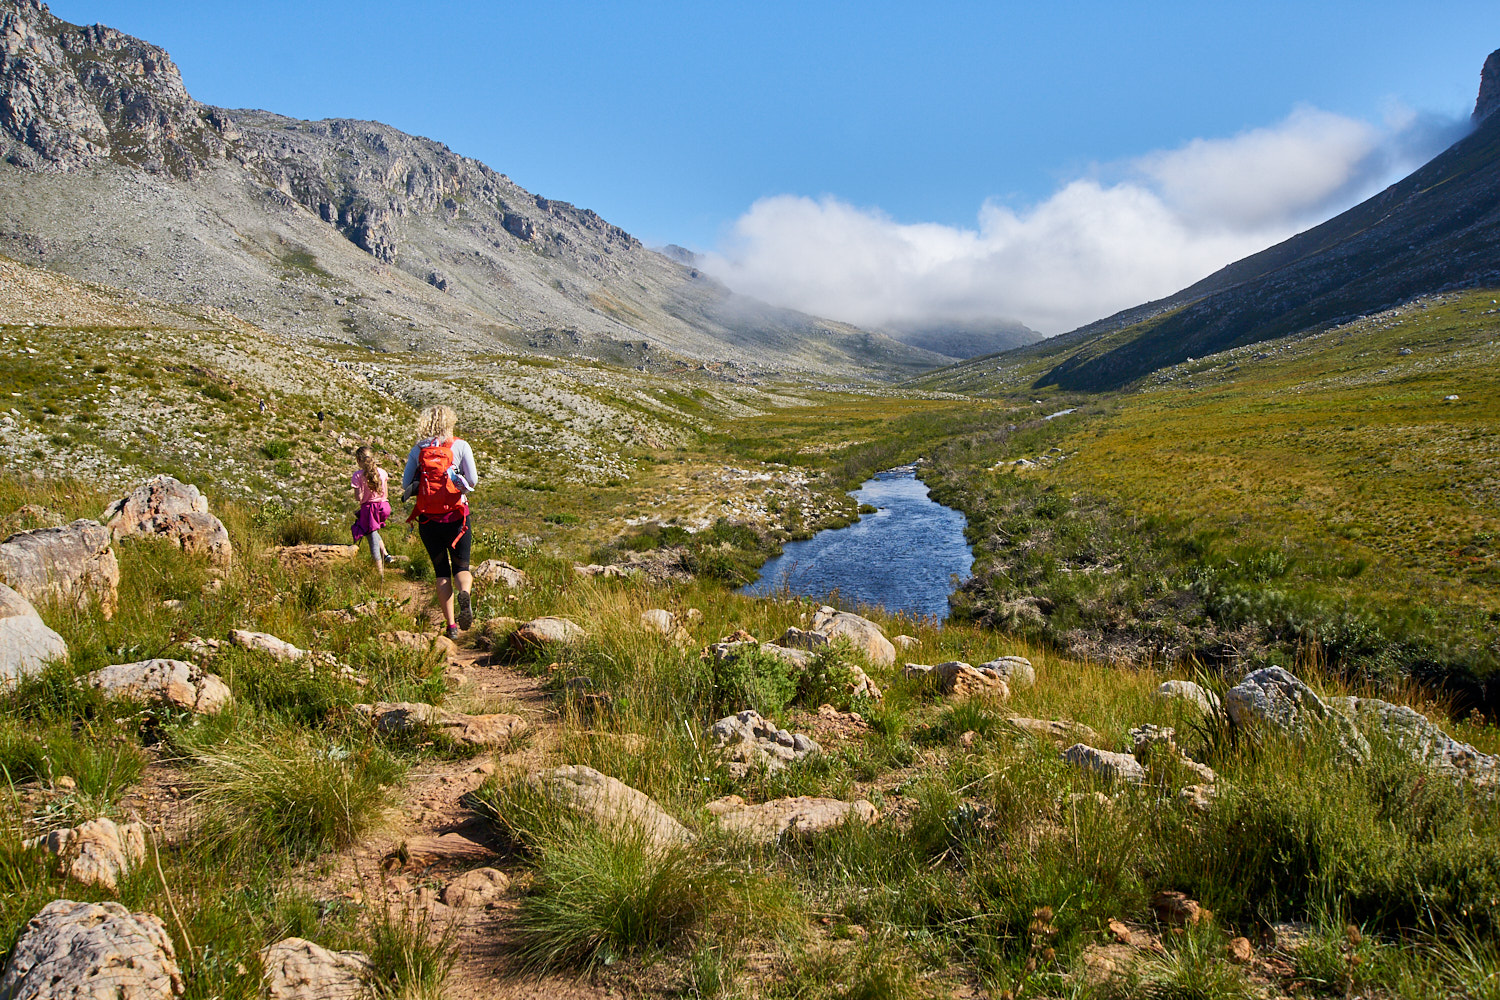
410,958
287,789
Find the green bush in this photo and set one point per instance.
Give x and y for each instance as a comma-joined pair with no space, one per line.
276,449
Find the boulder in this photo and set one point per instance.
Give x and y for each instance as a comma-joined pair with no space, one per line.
961,680
73,564
865,635
802,816
1114,766
1273,697
313,555
494,571
660,621
549,630
1420,739
92,951
162,507
747,741
1016,671
1199,798
99,852
1196,695
172,682
1064,732
468,730
476,887
26,643
610,803
297,969
904,642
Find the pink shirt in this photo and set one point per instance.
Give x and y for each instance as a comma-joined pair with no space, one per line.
367,494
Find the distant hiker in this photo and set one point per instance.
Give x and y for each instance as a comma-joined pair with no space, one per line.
369,482
440,473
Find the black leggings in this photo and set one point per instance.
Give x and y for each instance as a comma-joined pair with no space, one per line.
447,557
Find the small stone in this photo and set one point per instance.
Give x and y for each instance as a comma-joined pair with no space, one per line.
476,888
1114,766
1240,951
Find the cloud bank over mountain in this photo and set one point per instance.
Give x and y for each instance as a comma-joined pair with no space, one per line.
1124,234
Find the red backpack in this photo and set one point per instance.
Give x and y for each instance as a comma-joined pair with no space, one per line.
436,494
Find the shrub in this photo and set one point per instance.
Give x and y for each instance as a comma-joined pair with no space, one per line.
276,449
754,679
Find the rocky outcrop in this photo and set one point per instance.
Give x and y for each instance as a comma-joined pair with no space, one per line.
610,804
80,95
466,730
1422,740
863,634
74,564
791,818
549,630
170,682
164,508
99,852
92,951
1489,87
1272,697
497,572
748,741
26,643
297,969
1106,764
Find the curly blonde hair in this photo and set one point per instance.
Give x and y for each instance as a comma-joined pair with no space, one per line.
436,422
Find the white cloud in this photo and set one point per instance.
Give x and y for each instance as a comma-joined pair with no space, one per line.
1092,248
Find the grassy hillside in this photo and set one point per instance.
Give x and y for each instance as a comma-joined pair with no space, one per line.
1312,490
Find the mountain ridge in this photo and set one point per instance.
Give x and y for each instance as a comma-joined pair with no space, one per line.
257,212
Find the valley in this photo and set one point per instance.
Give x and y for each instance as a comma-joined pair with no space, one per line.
1214,716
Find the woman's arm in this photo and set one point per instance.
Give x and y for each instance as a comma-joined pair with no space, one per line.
464,473
409,476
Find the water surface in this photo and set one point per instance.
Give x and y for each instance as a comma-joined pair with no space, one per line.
904,557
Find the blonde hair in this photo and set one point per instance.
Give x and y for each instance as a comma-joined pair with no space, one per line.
364,457
436,422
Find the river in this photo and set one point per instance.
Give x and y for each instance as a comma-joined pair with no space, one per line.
905,557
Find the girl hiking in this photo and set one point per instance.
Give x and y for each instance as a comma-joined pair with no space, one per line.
369,482
440,473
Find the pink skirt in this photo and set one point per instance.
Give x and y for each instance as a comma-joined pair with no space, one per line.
372,517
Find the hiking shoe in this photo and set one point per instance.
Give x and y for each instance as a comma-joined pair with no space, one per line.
452,632
389,559
465,609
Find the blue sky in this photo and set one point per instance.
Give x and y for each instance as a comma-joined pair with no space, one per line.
675,120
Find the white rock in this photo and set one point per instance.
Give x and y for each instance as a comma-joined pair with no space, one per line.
495,571
610,803
99,852
92,951
175,682
1115,766
799,817
26,643
297,969
1194,694
1015,671
264,642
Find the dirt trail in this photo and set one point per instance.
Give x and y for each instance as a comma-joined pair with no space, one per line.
430,839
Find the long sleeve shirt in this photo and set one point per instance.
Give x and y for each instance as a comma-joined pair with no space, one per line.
462,472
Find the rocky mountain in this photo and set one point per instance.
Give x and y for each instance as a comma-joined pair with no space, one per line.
346,230
962,340
1435,230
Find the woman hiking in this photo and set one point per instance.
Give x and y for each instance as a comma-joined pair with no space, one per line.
440,473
